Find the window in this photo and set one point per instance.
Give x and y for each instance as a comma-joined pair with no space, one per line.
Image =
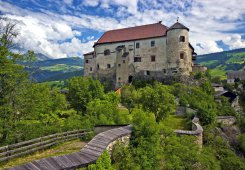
119,65
124,61
98,66
152,43
91,69
86,61
181,56
137,45
164,70
182,39
153,58
119,78
137,59
108,66
147,73
107,52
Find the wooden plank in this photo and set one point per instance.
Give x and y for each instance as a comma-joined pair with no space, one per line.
91,152
94,148
96,145
102,139
30,166
88,156
51,161
44,164
77,159
63,162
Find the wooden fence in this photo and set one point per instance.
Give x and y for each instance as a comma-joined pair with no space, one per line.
16,150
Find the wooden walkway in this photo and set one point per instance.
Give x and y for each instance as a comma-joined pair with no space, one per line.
89,154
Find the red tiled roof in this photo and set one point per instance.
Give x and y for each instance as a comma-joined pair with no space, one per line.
133,33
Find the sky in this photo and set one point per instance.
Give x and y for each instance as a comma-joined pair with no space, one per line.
67,28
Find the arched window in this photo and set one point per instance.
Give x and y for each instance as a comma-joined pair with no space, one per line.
107,52
182,39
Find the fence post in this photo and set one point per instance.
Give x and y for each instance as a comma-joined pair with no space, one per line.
8,153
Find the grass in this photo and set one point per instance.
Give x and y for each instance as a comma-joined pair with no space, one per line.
176,122
62,67
62,149
207,63
218,72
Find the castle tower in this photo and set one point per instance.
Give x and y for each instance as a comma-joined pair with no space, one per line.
179,54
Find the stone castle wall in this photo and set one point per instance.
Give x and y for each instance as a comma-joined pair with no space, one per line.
174,48
197,131
157,61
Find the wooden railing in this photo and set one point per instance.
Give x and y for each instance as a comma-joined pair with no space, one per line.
16,150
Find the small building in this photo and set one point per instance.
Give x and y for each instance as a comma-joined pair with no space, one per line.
150,51
217,87
198,68
233,76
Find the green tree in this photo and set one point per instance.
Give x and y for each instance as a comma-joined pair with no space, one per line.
82,90
241,141
102,163
158,99
102,111
129,97
145,141
197,98
12,79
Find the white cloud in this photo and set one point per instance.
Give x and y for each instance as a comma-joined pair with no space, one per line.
44,37
131,5
92,3
209,21
234,41
68,2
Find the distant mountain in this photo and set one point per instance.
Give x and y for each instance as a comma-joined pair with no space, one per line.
221,62
42,57
56,69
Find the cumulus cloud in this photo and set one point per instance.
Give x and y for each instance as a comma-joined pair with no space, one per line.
131,5
56,33
234,41
92,3
45,37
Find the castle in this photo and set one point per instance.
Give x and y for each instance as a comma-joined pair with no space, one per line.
150,51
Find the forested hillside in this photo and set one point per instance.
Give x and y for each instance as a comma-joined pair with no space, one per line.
221,62
55,69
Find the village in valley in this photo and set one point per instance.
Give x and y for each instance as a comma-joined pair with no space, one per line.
122,85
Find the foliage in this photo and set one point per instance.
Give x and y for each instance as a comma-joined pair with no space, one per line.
145,141
221,150
102,111
82,90
158,99
102,163
28,110
198,99
129,97
220,63
225,108
241,141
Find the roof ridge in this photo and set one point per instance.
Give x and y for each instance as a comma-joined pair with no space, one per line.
133,33
137,26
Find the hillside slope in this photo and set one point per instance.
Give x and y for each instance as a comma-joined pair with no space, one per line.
221,62
56,69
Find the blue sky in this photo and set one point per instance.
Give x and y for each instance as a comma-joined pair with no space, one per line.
65,28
